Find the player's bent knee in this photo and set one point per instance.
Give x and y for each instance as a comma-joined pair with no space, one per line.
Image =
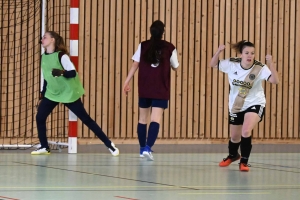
246,133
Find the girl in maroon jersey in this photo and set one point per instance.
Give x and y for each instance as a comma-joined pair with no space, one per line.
154,58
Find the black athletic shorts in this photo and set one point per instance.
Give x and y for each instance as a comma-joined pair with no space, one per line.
238,118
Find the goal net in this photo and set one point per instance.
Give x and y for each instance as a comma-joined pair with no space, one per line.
21,28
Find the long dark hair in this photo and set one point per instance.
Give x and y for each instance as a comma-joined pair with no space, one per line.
59,42
238,47
153,54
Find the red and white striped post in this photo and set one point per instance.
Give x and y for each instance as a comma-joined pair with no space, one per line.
74,37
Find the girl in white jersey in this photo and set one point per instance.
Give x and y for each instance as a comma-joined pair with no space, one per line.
246,99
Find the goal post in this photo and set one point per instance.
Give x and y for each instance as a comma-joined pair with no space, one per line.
74,38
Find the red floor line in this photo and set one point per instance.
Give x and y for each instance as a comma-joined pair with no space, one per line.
8,198
125,198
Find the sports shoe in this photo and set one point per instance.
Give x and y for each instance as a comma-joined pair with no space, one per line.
244,167
114,150
41,151
141,152
147,153
227,161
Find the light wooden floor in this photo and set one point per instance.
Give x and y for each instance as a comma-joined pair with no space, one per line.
193,174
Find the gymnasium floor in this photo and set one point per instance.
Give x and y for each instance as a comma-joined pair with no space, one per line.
185,172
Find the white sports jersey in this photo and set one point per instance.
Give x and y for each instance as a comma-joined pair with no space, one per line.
236,76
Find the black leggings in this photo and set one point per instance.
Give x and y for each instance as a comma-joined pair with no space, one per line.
45,108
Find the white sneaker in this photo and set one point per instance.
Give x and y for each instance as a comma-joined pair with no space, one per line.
147,153
116,152
141,152
41,151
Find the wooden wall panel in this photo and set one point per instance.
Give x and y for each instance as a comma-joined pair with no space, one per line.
291,56
173,38
190,70
274,93
203,86
124,69
199,100
295,49
110,32
118,74
221,78
226,54
197,71
280,46
165,13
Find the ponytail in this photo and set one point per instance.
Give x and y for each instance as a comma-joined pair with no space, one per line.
238,47
59,42
153,54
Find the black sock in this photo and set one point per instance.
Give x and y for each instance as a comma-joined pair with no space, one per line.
142,132
233,149
246,146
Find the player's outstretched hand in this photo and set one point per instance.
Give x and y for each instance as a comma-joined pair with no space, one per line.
57,72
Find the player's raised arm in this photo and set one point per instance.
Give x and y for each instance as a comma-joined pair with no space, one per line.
215,58
274,76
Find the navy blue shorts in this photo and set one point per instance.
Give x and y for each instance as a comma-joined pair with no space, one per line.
148,102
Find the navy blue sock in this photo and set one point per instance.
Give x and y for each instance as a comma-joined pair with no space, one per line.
152,133
142,132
